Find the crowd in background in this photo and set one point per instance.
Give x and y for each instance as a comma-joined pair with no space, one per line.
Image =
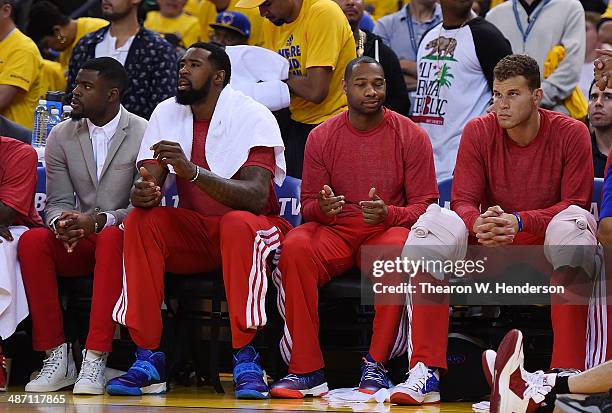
50,44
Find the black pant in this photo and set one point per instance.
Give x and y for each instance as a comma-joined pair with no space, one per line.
295,142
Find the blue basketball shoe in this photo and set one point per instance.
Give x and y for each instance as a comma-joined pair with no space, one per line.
373,377
297,386
422,387
146,376
249,377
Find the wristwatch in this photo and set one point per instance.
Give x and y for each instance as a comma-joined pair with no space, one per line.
96,226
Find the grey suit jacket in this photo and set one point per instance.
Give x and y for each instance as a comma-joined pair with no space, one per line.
71,169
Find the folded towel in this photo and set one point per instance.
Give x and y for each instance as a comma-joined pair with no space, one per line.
438,235
571,239
355,396
259,73
13,301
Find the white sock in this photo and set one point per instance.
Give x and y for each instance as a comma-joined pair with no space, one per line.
91,355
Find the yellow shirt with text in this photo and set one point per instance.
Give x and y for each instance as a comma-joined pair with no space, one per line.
85,25
320,36
208,14
184,26
20,66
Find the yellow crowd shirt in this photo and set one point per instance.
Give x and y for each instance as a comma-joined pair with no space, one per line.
184,26
381,8
192,7
208,14
320,36
52,76
85,25
20,66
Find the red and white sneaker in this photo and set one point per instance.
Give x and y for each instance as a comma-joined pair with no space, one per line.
488,365
514,389
3,373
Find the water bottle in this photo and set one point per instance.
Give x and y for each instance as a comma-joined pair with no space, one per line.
41,118
54,119
67,110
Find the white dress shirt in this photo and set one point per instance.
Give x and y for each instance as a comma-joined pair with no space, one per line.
107,48
101,140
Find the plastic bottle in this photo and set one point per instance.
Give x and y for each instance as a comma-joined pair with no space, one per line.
54,119
66,112
39,131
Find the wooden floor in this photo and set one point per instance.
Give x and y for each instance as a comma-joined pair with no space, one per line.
189,399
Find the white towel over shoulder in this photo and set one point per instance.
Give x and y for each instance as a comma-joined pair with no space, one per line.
13,301
238,124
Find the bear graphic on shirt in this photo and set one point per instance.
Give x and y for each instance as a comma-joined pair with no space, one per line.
435,75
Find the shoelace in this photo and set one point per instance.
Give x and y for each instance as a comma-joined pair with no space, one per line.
537,388
139,366
374,371
417,377
91,368
292,377
50,364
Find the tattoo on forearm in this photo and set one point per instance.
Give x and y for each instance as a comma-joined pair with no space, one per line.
248,193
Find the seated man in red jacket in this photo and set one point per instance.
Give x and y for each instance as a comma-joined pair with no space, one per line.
368,176
529,171
17,214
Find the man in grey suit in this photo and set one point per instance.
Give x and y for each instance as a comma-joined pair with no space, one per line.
93,156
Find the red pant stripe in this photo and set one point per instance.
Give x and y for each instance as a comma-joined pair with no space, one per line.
285,342
401,341
597,331
265,242
121,305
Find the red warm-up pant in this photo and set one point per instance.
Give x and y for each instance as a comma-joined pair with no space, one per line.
312,254
43,257
569,321
183,241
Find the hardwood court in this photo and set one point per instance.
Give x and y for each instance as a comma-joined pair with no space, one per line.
192,399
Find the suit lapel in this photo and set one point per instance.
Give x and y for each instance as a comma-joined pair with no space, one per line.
85,141
116,141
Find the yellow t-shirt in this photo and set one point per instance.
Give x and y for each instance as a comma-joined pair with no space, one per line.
184,26
495,3
320,36
20,66
52,76
381,8
85,25
208,13
608,13
192,7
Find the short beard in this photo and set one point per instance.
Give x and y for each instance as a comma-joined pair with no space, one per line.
77,116
190,97
115,16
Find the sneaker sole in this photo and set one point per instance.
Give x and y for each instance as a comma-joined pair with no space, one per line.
571,406
119,390
47,388
282,393
404,399
509,358
251,395
84,389
488,366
